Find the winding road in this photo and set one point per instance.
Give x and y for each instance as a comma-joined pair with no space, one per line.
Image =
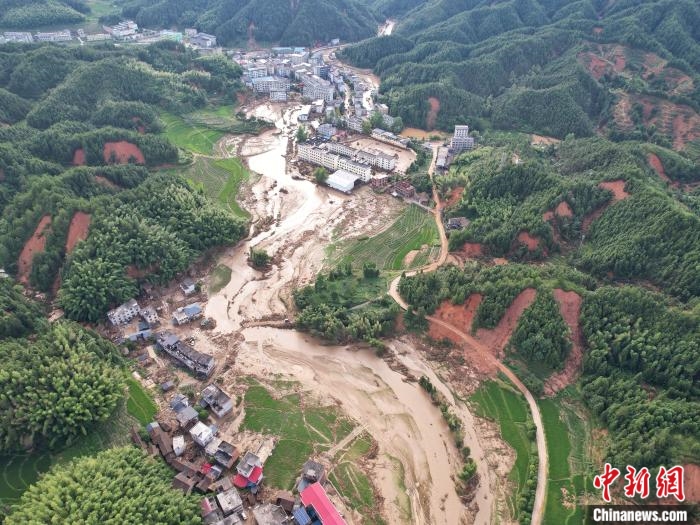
543,466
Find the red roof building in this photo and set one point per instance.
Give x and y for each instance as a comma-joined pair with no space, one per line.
252,480
315,496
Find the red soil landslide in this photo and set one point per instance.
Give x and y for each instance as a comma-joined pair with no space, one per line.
454,197
79,157
656,165
122,152
570,309
35,244
617,187
105,182
497,338
78,229
460,315
472,249
563,210
431,118
528,240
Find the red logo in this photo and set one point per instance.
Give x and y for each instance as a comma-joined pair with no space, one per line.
637,482
606,479
670,483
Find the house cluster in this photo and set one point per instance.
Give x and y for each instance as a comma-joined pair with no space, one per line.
274,72
461,142
27,38
130,310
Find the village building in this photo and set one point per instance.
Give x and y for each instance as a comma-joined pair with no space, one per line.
457,223
461,141
229,502
149,315
184,483
326,131
56,36
19,37
286,500
124,313
315,88
188,286
216,400
342,180
187,314
179,445
388,137
186,417
201,364
268,84
203,40
201,434
311,472
249,471
443,156
122,30
403,189
319,506
226,454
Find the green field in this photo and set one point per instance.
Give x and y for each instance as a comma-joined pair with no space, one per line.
498,401
570,471
198,139
220,179
223,118
220,277
303,429
352,482
139,404
413,229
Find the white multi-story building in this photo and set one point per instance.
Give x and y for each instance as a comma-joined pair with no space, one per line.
57,36
14,36
123,29
269,84
278,96
372,157
316,88
124,313
364,171
461,141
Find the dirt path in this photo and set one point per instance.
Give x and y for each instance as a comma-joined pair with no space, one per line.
498,337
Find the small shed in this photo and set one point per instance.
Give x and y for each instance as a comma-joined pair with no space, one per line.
187,416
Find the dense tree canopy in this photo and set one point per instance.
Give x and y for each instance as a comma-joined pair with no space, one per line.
120,485
18,315
54,388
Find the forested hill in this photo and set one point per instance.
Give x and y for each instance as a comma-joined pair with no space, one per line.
629,68
78,129
30,14
289,22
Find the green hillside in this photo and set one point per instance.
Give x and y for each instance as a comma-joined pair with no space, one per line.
29,14
629,69
299,22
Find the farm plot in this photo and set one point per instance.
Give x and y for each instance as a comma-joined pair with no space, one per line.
195,138
570,473
413,230
352,482
498,401
220,179
302,428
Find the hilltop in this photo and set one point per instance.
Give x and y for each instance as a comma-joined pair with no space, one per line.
296,22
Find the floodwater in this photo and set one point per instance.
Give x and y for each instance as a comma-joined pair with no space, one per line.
303,220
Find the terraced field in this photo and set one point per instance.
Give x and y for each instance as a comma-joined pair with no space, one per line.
414,229
140,405
20,470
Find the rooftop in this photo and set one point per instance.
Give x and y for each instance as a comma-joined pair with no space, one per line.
315,496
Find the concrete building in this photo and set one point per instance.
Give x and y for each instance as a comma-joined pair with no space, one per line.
18,36
389,138
229,502
342,180
57,36
354,124
187,314
122,30
442,161
304,114
124,313
322,157
201,434
98,37
315,88
373,157
203,40
216,400
363,171
269,514
326,131
461,141
278,96
269,84
201,364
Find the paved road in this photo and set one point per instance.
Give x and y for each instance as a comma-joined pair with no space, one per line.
543,467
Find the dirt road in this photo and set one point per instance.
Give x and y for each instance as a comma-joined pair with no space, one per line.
486,353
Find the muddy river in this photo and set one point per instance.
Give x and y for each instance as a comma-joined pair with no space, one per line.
301,220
